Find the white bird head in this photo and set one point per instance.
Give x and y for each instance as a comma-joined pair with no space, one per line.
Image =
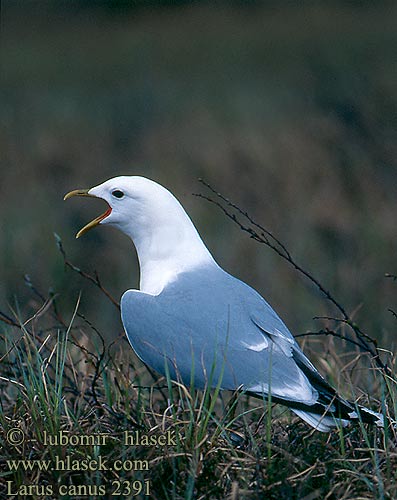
134,203
153,218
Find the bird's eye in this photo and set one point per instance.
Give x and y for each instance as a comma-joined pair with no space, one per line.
117,193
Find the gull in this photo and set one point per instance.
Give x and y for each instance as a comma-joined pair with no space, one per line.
200,325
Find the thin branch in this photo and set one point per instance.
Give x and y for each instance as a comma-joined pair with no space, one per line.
350,323
278,247
393,312
97,282
98,359
332,333
7,319
264,236
29,284
93,279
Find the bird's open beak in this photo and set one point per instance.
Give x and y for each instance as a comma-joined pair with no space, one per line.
95,222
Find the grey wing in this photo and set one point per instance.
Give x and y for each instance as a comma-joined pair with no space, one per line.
220,331
144,327
263,352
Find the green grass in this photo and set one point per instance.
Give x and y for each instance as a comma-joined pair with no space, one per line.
289,110
223,445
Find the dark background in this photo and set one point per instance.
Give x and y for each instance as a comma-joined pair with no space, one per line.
287,108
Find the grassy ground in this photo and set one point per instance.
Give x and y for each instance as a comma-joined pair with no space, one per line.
68,400
289,110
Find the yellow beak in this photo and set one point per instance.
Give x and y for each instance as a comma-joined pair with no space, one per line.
93,223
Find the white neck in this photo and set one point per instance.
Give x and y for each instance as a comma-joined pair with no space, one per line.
167,245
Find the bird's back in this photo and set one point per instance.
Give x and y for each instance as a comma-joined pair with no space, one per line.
209,326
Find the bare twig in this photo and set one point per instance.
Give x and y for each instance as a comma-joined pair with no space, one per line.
98,359
393,312
332,333
51,299
96,281
93,279
7,319
264,236
29,284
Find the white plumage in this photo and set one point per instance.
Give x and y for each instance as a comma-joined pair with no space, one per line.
206,325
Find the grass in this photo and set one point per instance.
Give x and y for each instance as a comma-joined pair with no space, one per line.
289,110
222,445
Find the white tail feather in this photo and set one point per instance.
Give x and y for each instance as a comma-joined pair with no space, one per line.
321,423
380,420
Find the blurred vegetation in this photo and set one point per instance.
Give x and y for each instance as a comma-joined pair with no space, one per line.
288,109
226,446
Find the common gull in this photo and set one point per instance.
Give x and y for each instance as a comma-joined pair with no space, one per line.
194,321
